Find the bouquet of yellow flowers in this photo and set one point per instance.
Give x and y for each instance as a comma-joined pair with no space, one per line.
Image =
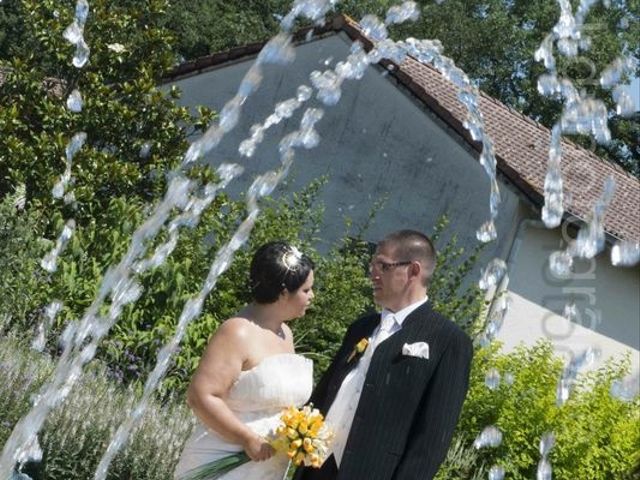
302,435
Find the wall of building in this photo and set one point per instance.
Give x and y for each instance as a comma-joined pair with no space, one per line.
378,142
606,298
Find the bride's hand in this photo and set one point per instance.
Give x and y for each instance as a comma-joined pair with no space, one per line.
258,449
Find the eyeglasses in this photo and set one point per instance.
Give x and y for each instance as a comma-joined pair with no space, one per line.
381,266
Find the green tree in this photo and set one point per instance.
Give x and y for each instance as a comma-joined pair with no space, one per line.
113,184
12,31
205,26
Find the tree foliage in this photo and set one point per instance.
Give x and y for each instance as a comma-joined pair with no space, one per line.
596,435
492,40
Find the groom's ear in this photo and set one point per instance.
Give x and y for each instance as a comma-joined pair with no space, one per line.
415,269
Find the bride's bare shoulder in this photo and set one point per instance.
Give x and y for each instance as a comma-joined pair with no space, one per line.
235,328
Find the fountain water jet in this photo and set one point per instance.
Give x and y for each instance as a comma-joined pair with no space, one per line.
228,121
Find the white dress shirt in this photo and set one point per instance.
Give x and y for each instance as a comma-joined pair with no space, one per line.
341,413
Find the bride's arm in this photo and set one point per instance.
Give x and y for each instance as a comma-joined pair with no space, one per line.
220,365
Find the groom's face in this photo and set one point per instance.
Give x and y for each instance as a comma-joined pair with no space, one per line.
388,275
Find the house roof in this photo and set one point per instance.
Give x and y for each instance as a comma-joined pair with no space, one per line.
521,144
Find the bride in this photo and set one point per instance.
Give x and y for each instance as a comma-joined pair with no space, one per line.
249,371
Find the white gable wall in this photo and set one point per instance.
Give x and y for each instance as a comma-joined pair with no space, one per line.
607,299
377,142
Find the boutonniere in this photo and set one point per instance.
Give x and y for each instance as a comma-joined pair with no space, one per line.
359,349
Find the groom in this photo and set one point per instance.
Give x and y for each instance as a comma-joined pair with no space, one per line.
394,404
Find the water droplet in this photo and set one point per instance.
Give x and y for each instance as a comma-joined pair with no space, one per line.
69,198
30,452
625,106
544,471
474,128
278,50
73,33
560,263
487,232
58,189
508,378
489,437
544,53
547,442
587,116
230,114
247,148
145,150
328,85
496,473
492,379
402,13
626,389
75,145
492,275
373,28
303,93
570,372
625,253
68,334
590,239
548,84
82,11
74,102
286,108
250,82
81,57
570,311
49,261
52,309
553,198
613,74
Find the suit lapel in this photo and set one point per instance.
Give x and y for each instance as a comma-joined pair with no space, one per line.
345,365
365,332
420,325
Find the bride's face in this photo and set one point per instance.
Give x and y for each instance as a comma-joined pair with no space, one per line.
297,302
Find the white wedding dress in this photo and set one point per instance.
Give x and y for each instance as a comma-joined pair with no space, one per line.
257,398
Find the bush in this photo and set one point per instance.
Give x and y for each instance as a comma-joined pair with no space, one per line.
77,433
23,288
597,435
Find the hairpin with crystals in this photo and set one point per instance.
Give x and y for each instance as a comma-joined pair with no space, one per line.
291,258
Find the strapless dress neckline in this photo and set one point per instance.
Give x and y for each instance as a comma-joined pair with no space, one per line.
257,398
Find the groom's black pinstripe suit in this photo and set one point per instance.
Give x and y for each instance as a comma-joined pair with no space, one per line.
408,407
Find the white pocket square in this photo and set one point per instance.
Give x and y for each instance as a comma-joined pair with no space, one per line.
418,349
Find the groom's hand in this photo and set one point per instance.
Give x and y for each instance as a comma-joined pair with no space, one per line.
258,449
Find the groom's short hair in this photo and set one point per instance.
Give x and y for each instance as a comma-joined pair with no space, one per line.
415,246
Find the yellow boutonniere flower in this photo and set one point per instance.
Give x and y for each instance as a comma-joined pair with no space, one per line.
359,349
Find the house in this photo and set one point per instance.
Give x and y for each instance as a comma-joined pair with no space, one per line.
398,134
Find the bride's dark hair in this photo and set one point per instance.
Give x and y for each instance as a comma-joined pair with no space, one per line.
276,266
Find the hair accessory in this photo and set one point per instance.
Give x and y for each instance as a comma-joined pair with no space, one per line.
291,258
